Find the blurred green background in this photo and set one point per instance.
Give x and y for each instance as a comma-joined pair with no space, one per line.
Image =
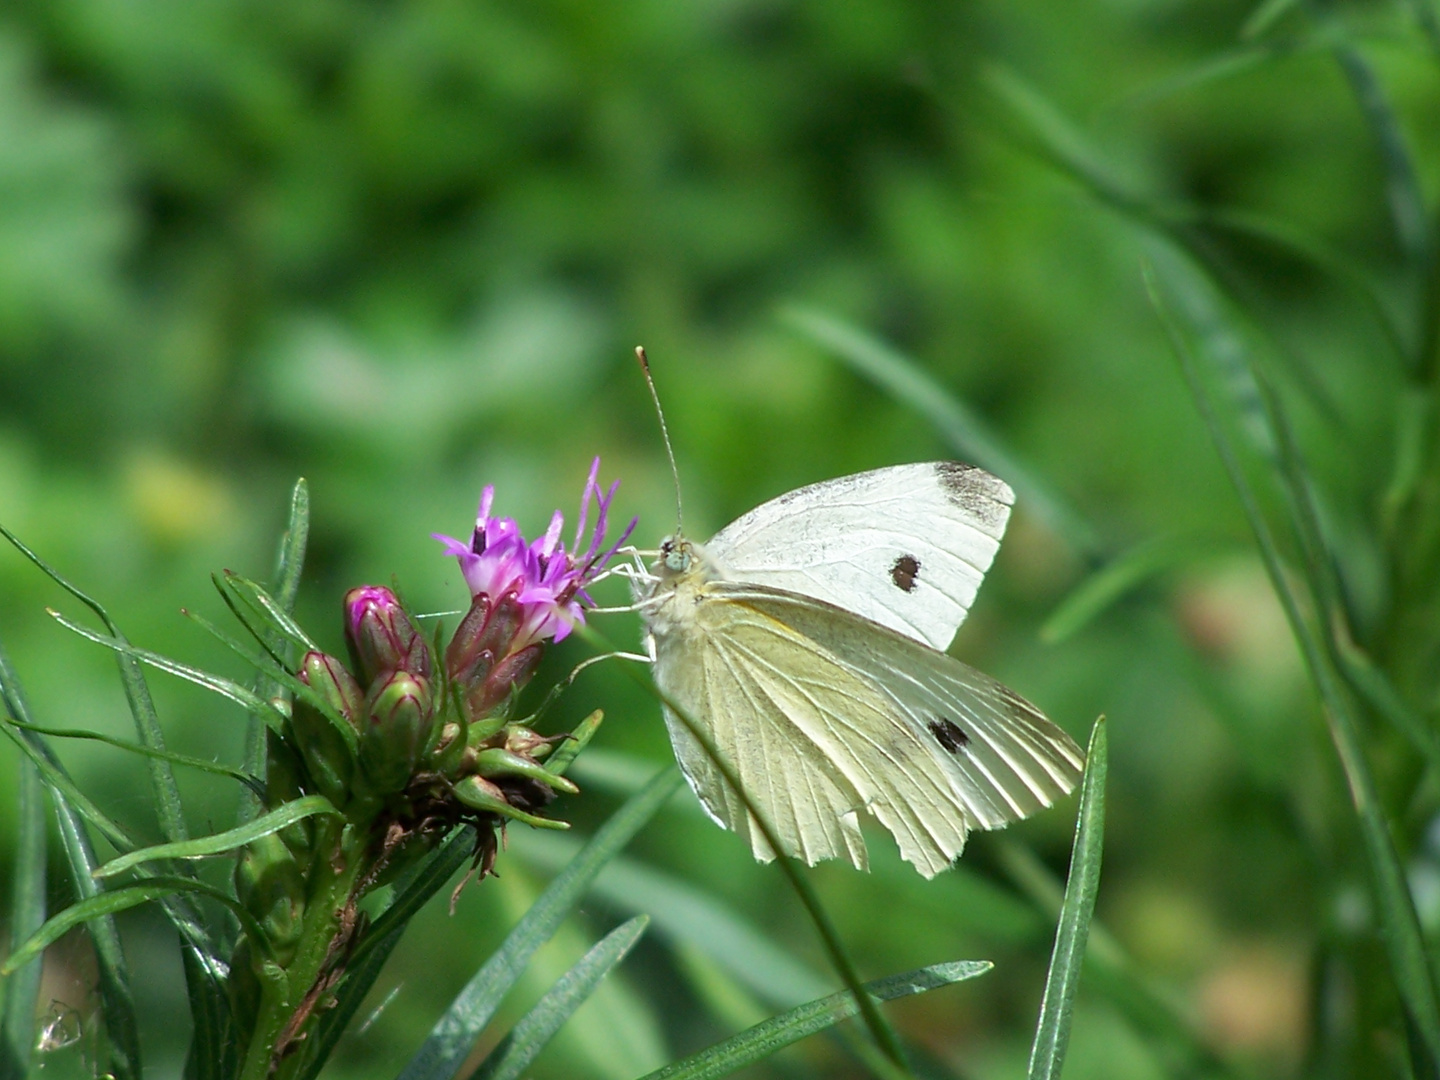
405,248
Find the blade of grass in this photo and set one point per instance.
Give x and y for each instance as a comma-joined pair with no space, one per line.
27,914
1400,925
137,693
687,914
245,698
286,586
111,902
117,1001
227,841
884,1035
514,1053
764,1039
967,434
453,1036
1052,1033
136,748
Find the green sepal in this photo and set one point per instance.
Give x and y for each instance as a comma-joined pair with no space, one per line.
479,794
498,761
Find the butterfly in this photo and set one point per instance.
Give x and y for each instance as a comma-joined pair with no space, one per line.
807,639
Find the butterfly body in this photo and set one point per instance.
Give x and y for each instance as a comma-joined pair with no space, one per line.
802,640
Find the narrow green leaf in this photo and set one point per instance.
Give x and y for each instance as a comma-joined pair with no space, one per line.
1121,575
221,843
687,914
56,779
762,1040
966,433
111,902
117,1001
1052,1033
245,698
416,890
453,1036
285,587
144,751
277,617
1372,684
535,1029
577,740
1266,15
27,914
1399,923
137,694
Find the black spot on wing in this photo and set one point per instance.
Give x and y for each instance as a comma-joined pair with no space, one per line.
948,734
905,572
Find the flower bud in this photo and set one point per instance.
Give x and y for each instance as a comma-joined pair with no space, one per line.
268,881
382,637
397,729
325,751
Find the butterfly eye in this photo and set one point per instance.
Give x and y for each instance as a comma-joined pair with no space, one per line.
674,556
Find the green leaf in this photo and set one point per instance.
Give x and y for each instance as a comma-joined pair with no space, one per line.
117,1001
27,912
535,1029
1052,1033
1399,924
277,618
144,751
687,914
286,585
245,698
576,741
137,693
221,843
967,434
452,1038
762,1040
1122,575
112,901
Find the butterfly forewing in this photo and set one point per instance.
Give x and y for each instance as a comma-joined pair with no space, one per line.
905,546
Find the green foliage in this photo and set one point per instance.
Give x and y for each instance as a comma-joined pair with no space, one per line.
406,250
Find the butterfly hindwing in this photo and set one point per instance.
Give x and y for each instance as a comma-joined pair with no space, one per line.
905,546
1005,758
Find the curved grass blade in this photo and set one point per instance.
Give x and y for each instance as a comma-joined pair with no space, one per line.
111,902
778,1032
246,699
286,585
1120,576
58,781
117,1001
1052,1033
535,1029
27,915
453,1036
1399,924
144,751
147,723
884,1035
907,382
690,916
221,843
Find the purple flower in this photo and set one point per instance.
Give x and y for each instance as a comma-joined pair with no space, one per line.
544,580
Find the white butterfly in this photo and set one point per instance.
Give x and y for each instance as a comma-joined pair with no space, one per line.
805,639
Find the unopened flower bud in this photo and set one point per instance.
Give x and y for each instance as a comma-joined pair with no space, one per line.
268,881
397,729
382,637
325,751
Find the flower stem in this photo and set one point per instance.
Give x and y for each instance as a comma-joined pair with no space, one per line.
290,995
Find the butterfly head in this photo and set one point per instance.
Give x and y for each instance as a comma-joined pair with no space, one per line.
676,556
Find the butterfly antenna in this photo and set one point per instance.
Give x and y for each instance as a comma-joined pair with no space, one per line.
664,434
